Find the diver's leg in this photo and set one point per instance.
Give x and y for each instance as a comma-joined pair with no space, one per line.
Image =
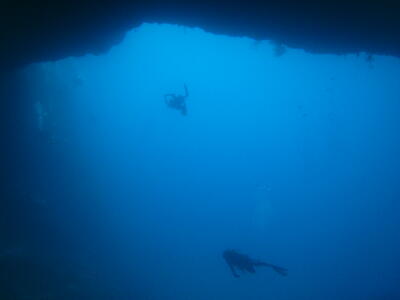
184,110
186,90
233,271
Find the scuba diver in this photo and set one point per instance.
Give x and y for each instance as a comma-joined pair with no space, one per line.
177,102
245,263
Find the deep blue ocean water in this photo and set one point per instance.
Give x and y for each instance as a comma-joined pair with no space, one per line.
286,156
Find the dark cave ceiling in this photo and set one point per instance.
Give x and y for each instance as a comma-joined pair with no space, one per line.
47,30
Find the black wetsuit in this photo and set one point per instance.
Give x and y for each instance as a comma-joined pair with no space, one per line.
244,263
177,102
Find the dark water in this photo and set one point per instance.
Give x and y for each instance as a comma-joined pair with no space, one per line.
288,157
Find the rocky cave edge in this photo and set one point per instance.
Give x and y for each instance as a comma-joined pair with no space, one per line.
35,31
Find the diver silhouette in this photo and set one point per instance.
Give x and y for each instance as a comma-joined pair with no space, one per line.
244,263
177,102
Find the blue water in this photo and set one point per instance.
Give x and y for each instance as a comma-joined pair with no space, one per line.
286,156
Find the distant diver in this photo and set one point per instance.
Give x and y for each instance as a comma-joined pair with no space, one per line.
177,102
245,263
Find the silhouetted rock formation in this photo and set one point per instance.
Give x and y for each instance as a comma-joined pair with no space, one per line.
47,30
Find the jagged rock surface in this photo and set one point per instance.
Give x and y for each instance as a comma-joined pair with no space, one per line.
48,30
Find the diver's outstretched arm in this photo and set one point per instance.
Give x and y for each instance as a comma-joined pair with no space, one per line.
233,271
277,269
186,90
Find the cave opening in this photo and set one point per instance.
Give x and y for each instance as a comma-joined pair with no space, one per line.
124,195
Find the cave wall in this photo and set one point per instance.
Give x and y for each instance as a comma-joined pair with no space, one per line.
48,30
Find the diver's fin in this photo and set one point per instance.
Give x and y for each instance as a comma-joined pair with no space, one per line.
277,269
280,270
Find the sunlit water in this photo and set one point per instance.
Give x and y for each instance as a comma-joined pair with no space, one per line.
289,157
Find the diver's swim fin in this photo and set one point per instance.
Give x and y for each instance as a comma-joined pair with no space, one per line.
277,269
280,270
